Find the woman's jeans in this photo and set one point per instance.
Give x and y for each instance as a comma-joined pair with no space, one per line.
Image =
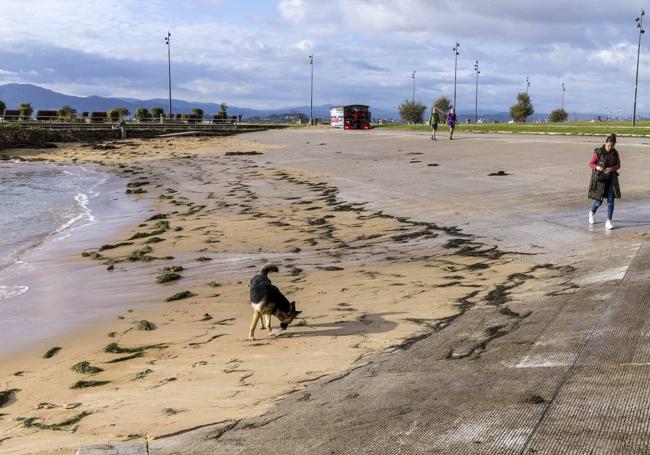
609,191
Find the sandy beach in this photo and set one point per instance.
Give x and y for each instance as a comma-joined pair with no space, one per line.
366,282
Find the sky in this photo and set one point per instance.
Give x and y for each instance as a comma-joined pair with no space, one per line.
255,53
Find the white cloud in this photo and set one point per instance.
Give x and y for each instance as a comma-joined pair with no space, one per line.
293,10
305,45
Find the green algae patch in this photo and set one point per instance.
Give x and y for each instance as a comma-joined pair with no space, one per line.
142,235
88,384
154,240
137,184
127,357
203,259
33,422
5,396
180,296
114,348
161,225
168,276
92,255
51,352
113,246
86,368
146,325
141,255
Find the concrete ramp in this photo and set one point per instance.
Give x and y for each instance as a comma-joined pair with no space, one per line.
603,404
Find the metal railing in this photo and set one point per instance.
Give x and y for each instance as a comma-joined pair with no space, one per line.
165,123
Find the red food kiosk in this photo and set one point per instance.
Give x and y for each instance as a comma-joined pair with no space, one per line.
351,117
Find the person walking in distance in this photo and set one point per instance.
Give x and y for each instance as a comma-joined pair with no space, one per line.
604,164
433,122
451,122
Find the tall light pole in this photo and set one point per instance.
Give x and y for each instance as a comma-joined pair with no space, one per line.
311,96
563,90
476,101
639,25
169,68
456,54
527,85
413,77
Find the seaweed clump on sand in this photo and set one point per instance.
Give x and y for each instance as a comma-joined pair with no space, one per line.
116,245
51,352
141,255
127,357
160,227
239,153
32,422
166,276
86,384
86,368
203,259
5,396
146,325
180,296
114,348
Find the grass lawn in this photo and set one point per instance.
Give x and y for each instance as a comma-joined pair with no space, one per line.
568,128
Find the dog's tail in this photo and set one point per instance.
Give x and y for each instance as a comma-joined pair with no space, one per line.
268,269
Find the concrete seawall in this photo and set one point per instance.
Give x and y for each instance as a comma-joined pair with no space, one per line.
36,136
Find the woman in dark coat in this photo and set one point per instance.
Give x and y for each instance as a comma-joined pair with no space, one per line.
605,164
451,122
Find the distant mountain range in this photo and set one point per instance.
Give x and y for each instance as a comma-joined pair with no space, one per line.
41,98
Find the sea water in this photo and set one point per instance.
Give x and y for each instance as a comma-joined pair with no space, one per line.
41,201
49,214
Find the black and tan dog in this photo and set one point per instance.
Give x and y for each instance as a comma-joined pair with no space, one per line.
267,301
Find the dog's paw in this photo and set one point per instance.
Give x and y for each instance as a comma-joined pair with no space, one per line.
250,339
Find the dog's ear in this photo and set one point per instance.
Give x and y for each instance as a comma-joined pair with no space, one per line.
293,306
296,312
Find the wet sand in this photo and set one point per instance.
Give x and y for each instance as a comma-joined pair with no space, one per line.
366,281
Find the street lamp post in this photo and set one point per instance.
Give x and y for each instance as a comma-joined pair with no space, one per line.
413,77
456,54
169,68
563,90
527,85
639,25
311,96
476,101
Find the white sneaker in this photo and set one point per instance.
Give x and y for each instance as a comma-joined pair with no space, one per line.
591,217
608,225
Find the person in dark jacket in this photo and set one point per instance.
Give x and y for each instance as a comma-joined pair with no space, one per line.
604,164
433,122
451,122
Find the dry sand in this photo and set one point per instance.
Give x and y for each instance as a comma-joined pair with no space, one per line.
365,281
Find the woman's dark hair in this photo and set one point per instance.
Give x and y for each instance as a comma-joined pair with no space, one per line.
611,138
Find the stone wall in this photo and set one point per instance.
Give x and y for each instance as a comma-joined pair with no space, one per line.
21,137
25,137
